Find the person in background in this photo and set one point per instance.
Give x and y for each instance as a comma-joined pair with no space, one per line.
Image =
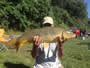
86,33
77,32
82,34
47,54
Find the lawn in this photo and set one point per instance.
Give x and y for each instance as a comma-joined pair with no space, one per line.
77,55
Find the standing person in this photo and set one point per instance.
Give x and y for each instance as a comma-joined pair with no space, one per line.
86,33
82,34
77,32
46,54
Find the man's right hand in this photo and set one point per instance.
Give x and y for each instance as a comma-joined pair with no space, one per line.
36,41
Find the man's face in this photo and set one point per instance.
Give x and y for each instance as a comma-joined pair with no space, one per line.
47,25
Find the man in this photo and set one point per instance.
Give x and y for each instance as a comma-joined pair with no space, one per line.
77,32
46,54
48,22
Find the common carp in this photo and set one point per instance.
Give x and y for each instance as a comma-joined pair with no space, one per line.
47,34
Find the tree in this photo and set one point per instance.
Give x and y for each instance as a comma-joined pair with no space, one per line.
23,14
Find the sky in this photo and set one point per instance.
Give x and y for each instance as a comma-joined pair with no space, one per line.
88,7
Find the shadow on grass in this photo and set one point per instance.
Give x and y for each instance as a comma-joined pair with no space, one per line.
85,43
12,65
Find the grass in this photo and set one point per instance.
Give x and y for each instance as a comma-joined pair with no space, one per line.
77,55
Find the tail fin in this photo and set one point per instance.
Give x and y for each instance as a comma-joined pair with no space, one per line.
17,43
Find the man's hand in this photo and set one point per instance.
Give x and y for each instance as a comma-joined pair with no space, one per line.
36,41
60,47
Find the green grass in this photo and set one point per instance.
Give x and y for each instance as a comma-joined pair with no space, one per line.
77,55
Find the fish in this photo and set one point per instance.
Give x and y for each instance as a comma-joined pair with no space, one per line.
47,34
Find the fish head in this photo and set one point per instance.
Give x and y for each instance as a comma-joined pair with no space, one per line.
68,35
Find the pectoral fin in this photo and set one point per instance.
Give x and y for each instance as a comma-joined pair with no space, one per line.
61,38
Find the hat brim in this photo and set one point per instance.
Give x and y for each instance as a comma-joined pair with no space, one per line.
47,22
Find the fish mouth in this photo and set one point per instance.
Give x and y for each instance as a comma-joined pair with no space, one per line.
72,37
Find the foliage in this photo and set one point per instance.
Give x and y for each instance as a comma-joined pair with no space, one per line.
75,13
75,8
23,14
62,16
88,19
27,14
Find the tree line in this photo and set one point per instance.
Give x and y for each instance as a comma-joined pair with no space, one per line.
24,14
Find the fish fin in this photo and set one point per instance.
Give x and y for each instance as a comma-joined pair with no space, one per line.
61,38
18,46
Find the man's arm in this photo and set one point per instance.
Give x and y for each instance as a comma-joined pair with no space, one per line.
34,52
36,43
60,47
